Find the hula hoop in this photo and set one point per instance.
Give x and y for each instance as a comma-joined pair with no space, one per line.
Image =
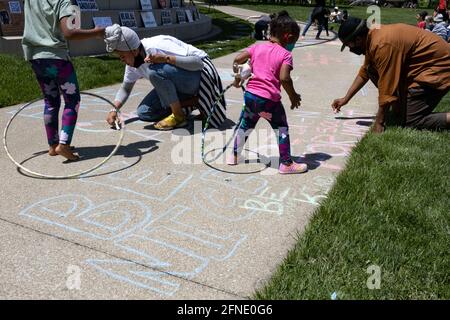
70,176
213,108
266,165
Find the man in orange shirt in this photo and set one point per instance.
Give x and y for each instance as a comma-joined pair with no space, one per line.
409,66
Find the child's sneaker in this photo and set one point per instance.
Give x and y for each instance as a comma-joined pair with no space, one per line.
233,160
294,167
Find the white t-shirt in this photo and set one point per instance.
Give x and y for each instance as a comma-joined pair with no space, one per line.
161,45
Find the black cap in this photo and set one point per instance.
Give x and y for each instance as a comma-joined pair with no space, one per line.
349,30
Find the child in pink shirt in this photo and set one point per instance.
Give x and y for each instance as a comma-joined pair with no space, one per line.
421,19
271,64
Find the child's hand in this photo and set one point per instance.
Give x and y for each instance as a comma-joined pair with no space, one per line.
235,68
295,101
237,81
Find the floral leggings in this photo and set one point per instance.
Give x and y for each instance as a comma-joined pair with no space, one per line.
255,108
56,76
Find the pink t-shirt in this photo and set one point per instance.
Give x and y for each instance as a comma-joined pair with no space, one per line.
266,60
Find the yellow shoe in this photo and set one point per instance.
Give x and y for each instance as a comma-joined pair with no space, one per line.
171,122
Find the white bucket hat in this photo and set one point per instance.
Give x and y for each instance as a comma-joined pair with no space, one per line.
121,38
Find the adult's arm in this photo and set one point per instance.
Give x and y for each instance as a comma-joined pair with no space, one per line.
357,84
361,79
190,63
121,97
123,94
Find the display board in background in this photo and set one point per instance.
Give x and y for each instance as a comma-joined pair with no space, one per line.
181,16
148,19
102,22
146,5
128,19
189,15
15,7
11,18
87,5
166,17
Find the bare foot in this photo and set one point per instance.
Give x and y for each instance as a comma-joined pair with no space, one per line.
52,150
65,151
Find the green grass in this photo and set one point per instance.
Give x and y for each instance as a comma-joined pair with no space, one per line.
444,105
388,15
390,207
18,83
229,40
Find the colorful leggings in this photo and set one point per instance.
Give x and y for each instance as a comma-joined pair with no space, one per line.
256,107
56,76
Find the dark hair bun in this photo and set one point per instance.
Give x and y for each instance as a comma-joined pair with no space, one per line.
283,13
283,24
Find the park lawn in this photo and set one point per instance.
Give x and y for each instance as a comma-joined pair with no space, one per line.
390,208
235,36
18,83
301,13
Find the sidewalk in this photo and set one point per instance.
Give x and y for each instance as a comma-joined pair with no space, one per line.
251,16
144,227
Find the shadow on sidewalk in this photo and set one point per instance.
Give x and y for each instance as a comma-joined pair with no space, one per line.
354,118
364,123
132,150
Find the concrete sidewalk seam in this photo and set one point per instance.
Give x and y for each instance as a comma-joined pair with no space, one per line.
121,258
